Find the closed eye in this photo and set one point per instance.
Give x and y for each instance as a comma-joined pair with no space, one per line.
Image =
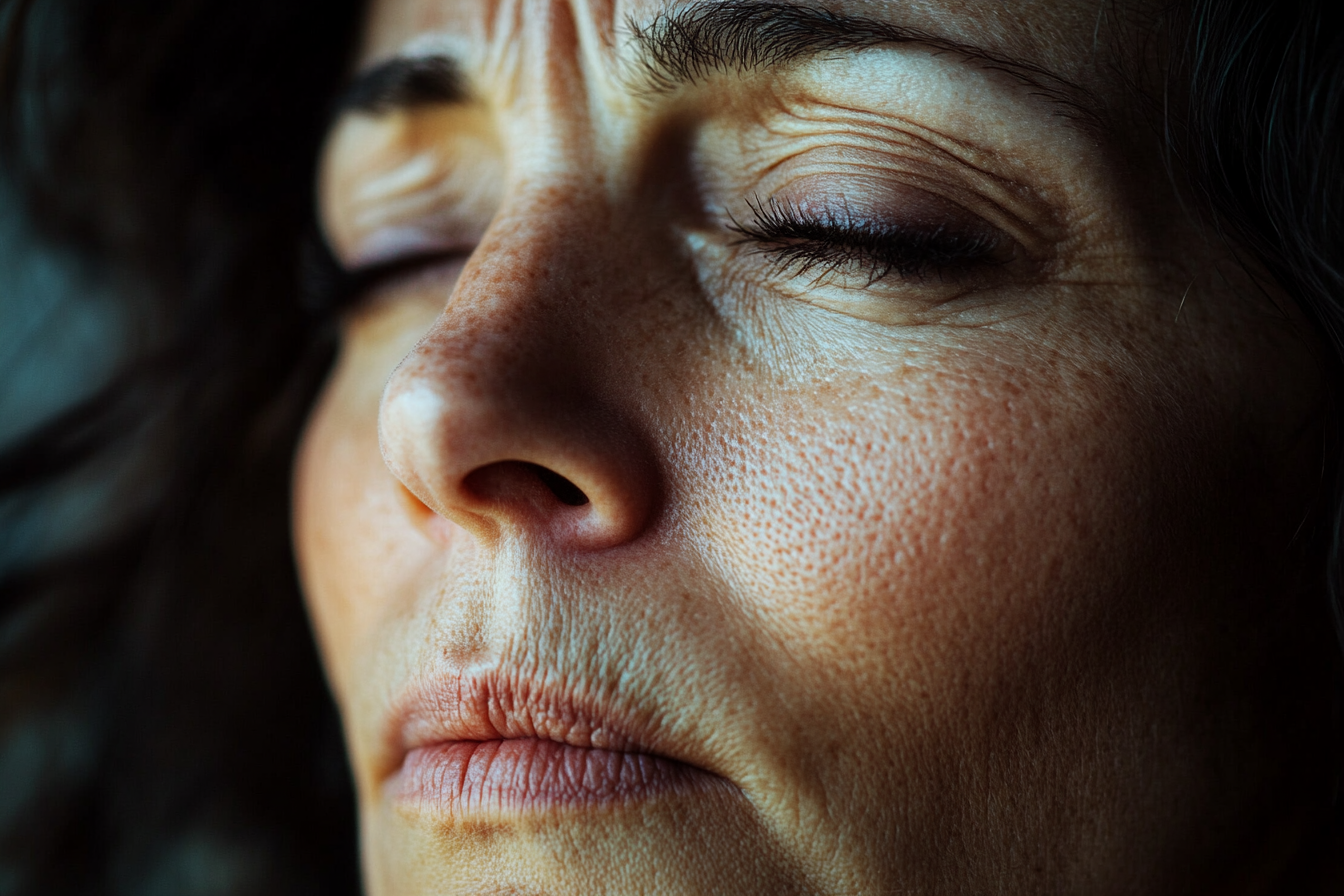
803,242
329,289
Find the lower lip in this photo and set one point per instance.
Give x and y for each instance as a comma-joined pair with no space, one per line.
470,777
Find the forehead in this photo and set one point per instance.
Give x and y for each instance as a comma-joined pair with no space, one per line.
1071,39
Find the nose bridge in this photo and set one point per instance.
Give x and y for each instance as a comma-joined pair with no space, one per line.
517,375
551,47
522,315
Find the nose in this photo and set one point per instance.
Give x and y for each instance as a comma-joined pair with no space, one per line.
513,416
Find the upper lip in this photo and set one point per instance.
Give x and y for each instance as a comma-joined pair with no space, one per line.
500,704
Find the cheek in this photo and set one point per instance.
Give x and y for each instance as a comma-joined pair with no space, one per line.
360,560
336,495
987,568
938,495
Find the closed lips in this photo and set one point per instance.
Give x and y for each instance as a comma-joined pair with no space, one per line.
497,743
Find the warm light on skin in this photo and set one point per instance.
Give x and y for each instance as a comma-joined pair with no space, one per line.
968,581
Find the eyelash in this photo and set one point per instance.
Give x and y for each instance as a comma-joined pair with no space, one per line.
328,289
803,243
800,244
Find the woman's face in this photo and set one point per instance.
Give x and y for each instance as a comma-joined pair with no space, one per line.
803,449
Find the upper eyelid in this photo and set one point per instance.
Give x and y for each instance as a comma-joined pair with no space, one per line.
402,180
409,82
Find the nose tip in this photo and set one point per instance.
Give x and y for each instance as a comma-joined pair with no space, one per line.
557,472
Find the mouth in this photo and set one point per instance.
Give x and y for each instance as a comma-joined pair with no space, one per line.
467,745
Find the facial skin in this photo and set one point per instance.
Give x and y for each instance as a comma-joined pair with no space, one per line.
944,483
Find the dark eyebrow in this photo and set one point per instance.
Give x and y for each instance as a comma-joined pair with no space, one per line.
403,83
683,46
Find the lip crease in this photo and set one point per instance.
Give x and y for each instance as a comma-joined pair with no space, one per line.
463,745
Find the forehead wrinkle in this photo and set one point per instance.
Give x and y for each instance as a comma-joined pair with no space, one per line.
514,47
501,62
596,23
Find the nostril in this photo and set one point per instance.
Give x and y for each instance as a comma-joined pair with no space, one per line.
505,483
566,491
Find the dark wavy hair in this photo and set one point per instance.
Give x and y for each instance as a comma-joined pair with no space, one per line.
164,724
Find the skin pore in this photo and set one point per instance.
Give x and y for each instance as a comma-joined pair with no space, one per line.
836,420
